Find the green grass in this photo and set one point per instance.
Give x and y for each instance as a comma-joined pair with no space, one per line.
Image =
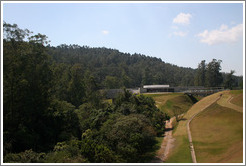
237,97
181,152
236,92
160,94
182,102
158,141
169,102
175,126
220,131
216,133
238,100
152,154
109,101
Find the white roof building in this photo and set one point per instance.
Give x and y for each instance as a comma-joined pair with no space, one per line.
155,86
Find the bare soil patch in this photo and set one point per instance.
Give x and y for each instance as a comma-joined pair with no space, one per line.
167,143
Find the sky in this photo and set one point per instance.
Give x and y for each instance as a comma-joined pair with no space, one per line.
182,34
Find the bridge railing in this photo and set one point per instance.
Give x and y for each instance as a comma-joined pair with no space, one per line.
203,91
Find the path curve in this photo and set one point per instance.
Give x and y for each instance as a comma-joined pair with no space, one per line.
192,150
233,106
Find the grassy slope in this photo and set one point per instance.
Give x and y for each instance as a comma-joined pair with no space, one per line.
181,151
167,102
237,97
237,100
217,135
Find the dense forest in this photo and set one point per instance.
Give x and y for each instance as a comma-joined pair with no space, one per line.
54,109
113,69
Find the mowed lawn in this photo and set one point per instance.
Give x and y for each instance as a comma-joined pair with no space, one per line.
181,152
217,135
237,97
217,132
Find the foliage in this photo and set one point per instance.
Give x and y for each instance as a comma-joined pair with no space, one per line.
28,156
66,152
229,81
209,74
26,96
200,74
129,136
213,76
113,69
54,111
65,122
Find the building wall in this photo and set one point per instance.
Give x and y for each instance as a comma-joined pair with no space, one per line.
160,90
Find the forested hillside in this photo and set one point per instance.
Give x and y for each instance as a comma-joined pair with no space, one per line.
114,69
54,111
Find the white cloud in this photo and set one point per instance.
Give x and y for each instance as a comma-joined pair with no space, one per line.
182,18
233,22
174,27
105,32
221,35
180,33
223,27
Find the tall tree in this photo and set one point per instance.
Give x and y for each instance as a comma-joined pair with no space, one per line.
213,76
76,90
147,77
200,74
26,86
229,80
92,94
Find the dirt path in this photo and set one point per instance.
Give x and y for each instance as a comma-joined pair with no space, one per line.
192,150
167,143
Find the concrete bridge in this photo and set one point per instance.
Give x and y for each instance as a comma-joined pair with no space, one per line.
202,92
191,91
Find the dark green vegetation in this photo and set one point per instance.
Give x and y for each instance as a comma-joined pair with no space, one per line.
113,69
217,135
209,75
54,111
